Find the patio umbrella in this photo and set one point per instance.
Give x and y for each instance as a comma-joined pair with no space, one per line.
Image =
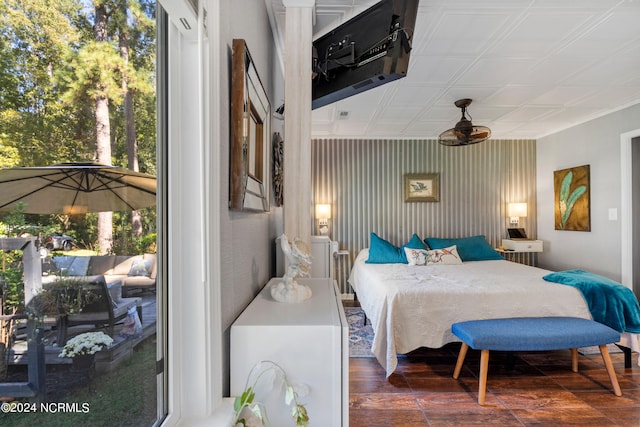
75,188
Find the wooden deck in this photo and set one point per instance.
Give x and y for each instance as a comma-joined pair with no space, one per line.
106,360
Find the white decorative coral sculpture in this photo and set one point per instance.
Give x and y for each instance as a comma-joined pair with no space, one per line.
298,264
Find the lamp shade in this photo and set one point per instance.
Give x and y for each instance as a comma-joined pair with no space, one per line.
517,210
323,211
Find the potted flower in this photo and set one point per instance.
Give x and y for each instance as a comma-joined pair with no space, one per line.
82,348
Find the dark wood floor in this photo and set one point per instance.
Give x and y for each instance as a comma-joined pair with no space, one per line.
539,390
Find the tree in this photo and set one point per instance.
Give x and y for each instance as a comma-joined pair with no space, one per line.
103,131
35,41
69,86
103,72
124,15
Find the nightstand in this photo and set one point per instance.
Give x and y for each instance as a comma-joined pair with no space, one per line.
521,251
522,245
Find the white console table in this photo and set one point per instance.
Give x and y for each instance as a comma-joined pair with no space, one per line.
309,340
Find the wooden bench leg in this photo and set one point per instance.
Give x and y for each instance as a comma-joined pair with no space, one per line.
461,356
604,351
484,368
574,359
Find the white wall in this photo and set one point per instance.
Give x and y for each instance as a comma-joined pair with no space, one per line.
218,260
595,143
245,238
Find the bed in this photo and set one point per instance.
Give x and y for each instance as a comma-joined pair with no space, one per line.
413,306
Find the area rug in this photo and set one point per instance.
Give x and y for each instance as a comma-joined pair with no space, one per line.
596,350
360,335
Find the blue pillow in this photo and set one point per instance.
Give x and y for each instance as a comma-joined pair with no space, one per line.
475,248
384,252
414,243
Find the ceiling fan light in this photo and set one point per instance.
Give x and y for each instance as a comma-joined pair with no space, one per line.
464,127
464,132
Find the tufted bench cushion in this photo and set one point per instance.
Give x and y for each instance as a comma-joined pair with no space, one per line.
533,334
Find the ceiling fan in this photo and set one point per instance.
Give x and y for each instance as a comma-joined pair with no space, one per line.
464,133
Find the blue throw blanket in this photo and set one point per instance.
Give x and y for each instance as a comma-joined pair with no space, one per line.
610,302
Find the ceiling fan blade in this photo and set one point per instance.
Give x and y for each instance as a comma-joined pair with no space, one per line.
462,135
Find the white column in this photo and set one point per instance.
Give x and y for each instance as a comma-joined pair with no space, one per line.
32,274
297,128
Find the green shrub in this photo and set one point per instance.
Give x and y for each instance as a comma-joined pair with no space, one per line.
11,286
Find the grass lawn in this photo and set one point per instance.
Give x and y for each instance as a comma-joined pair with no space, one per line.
80,252
125,397
75,252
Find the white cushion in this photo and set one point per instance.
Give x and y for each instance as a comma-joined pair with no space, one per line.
448,256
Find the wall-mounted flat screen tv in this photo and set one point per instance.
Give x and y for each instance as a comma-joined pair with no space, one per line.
367,51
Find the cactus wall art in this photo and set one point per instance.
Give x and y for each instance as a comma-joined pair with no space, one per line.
572,199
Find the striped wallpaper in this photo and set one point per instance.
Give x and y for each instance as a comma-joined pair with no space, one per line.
363,181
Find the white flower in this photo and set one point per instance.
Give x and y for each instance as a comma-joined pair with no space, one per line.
87,343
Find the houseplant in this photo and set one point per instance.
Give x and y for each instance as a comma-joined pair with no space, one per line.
267,370
66,295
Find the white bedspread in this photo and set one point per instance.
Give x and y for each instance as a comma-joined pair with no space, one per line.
415,306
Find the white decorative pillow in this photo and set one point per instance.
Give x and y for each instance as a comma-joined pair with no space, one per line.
140,267
448,256
416,256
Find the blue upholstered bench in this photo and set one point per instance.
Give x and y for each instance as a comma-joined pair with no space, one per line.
533,334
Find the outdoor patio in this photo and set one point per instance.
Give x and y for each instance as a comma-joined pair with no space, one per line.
106,360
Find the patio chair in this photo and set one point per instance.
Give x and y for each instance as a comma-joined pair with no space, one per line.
104,312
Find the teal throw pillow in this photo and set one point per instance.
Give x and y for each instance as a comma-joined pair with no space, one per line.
415,243
475,248
384,252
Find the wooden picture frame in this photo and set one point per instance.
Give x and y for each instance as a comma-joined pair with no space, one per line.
422,187
572,199
250,135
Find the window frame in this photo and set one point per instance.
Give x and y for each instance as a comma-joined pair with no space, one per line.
190,171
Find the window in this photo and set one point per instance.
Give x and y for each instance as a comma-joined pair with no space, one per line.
46,117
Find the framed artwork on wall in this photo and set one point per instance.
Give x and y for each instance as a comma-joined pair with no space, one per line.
250,135
422,187
572,204
278,169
